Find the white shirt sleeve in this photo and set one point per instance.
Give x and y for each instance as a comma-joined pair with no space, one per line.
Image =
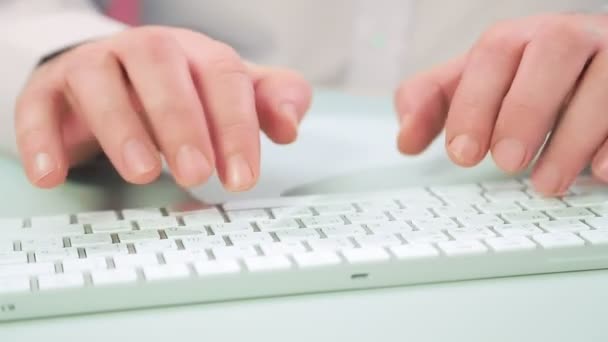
31,30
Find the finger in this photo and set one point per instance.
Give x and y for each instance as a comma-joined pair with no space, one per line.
37,127
282,98
227,92
581,130
422,104
549,69
159,73
98,92
485,80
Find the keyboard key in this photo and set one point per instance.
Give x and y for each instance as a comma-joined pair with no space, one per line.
368,217
298,234
164,272
506,195
525,216
114,276
90,240
542,203
13,258
135,260
203,242
216,267
247,215
377,205
41,243
291,212
223,228
378,240
175,233
106,250
595,237
601,210
499,207
574,213
558,240
365,255
267,263
320,221
518,229
434,224
282,248
50,221
480,220
53,255
6,246
316,259
57,231
249,238
140,214
157,223
507,184
203,217
88,264
154,246
454,210
411,214
11,223
272,225
597,222
111,227
510,244
424,236
60,281
470,233
414,251
14,284
342,230
462,247
233,252
184,256
138,235
596,199
330,244
335,209
389,227
567,225
27,269
95,217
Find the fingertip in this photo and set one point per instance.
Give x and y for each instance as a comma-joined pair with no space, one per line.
45,170
410,140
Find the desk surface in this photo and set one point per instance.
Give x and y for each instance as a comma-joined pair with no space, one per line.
559,307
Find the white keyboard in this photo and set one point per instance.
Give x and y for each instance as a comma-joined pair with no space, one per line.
135,258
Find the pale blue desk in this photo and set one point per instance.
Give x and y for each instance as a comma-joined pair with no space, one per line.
562,307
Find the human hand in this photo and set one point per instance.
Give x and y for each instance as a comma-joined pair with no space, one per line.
522,80
155,91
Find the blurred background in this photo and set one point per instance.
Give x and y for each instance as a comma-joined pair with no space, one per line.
360,46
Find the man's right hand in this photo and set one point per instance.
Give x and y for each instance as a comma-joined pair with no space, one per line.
155,91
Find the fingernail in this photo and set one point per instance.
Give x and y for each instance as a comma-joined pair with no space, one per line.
192,164
464,149
547,179
509,154
138,158
240,175
290,111
43,165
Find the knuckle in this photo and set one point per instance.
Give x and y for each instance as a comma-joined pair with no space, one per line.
225,59
158,43
232,135
526,106
87,59
499,40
